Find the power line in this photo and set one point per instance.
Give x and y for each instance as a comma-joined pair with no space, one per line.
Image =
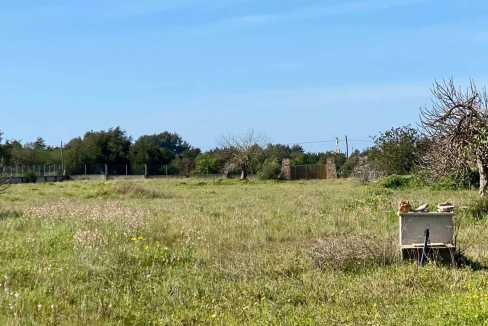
311,142
340,140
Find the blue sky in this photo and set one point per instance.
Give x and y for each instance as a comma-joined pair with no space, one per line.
294,71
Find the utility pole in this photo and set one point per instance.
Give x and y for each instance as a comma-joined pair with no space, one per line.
62,159
347,148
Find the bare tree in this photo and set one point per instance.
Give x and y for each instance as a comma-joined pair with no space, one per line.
457,125
244,151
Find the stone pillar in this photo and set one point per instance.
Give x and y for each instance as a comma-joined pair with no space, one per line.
285,169
331,169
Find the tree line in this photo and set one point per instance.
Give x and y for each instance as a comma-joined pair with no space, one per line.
162,153
451,141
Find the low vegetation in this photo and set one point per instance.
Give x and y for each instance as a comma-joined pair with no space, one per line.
128,189
223,252
479,208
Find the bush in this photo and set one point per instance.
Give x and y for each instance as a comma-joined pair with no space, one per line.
479,208
129,189
30,177
206,164
446,183
271,169
353,253
467,181
401,181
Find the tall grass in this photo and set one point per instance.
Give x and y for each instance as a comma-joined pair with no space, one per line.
260,253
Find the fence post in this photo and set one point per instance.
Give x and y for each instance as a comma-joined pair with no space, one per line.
145,170
85,169
106,171
126,170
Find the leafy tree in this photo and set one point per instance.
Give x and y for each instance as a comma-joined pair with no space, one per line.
185,162
39,144
350,164
206,164
75,156
279,152
397,151
270,169
163,149
99,147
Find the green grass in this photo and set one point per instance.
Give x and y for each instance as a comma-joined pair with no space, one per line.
203,251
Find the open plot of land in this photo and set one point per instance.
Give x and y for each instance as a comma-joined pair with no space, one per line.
196,251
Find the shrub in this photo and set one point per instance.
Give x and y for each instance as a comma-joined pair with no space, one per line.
206,164
270,170
446,183
30,177
401,181
129,189
479,208
467,181
352,253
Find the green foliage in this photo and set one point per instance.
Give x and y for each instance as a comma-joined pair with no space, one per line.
270,169
397,151
479,208
162,149
206,164
98,147
30,177
13,152
446,183
348,165
469,180
401,181
185,163
279,152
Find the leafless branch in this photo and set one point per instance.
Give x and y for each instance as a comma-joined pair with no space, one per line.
457,125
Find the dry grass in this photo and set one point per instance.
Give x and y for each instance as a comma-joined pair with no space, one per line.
129,189
354,252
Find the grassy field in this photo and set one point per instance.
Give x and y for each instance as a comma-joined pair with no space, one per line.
194,251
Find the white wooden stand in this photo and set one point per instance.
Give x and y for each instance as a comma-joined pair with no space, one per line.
441,235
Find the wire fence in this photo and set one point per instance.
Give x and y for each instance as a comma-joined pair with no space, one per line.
123,170
22,171
58,171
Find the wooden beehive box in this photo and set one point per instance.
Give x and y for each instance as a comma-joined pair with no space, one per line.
412,233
